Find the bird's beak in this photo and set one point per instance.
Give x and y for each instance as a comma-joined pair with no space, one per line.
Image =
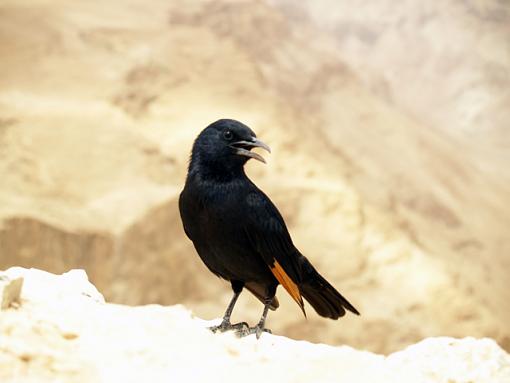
243,148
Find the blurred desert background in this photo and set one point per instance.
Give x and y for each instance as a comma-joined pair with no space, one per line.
389,124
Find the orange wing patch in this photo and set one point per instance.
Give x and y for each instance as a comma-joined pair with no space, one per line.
288,284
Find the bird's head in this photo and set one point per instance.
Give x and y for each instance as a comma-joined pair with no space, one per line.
225,145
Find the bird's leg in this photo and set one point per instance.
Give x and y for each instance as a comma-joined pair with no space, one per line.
260,327
225,324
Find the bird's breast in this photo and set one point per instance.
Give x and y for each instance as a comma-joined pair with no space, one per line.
212,212
213,220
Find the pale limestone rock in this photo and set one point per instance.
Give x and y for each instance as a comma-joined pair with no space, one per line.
63,331
71,284
10,290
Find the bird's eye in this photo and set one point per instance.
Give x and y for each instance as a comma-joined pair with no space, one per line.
228,135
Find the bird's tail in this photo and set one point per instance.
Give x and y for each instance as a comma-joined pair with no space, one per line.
323,297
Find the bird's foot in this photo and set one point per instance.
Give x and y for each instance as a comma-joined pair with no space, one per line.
227,326
257,330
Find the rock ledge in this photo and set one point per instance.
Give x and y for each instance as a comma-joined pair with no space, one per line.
62,330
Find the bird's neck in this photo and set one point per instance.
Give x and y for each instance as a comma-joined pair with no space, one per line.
214,171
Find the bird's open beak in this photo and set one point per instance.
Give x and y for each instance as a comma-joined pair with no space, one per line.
243,148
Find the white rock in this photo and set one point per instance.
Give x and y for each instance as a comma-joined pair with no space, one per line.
68,285
61,334
10,290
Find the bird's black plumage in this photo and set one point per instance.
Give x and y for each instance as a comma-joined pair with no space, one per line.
238,232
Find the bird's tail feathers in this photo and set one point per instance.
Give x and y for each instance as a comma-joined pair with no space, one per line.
323,297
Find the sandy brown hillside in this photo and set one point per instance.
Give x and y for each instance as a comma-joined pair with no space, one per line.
99,105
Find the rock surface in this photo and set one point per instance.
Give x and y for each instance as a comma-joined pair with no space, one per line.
64,331
389,128
10,290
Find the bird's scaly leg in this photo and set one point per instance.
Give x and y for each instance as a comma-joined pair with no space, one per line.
260,327
225,324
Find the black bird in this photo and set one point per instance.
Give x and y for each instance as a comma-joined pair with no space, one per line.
238,232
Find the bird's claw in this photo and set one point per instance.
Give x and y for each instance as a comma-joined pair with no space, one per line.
241,329
227,326
257,330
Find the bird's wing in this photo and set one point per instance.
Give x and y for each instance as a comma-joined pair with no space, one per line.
268,234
